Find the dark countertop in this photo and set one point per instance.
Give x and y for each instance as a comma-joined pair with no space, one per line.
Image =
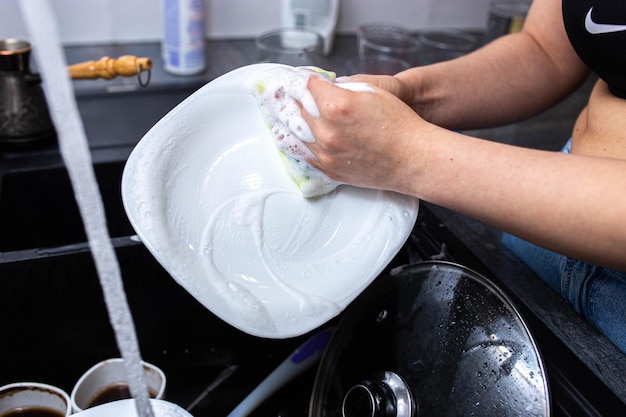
113,133
221,57
117,113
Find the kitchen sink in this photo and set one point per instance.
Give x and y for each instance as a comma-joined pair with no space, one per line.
55,322
38,209
37,204
55,326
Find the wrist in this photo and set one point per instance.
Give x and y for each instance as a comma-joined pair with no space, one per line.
411,87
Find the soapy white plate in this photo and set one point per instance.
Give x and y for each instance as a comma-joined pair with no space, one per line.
207,193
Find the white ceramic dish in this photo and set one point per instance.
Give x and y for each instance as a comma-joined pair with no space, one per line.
127,408
208,195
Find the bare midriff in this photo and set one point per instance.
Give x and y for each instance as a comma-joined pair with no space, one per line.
600,129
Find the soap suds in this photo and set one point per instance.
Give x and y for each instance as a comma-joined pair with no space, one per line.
278,92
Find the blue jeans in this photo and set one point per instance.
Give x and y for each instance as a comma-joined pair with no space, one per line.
597,293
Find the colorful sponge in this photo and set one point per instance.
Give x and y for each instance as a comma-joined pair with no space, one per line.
277,91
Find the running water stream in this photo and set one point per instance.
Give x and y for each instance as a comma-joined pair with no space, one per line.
41,25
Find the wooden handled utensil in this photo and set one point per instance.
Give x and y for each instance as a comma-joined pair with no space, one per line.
108,68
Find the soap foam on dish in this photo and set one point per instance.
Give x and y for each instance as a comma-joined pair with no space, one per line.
230,227
278,90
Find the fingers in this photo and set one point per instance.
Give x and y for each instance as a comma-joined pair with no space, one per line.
320,89
324,94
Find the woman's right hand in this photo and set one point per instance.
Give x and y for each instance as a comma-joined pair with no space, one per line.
369,139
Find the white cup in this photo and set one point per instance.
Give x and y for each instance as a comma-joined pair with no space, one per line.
21,396
106,381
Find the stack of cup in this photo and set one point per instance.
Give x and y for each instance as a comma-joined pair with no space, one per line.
383,49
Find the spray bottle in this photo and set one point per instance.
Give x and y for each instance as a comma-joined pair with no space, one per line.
183,45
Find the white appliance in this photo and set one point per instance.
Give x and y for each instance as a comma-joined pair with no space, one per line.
320,15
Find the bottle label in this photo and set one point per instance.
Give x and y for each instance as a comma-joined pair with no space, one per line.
183,44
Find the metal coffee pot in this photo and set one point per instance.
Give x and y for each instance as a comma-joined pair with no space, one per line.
25,122
24,118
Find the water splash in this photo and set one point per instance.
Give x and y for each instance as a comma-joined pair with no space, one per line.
41,25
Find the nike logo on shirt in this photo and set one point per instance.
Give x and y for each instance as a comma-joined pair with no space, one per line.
601,28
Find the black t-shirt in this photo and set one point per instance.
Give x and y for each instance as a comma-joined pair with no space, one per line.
597,31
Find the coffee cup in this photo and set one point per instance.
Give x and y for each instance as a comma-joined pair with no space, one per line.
34,399
106,381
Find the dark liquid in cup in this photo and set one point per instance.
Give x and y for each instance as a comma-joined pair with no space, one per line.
33,412
117,391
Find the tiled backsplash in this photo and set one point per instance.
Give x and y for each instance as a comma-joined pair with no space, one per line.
113,21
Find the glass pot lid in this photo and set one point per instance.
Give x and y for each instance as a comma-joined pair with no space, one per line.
431,339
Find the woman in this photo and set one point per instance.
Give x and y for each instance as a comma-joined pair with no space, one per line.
402,138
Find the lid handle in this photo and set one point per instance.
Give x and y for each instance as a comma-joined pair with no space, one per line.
385,394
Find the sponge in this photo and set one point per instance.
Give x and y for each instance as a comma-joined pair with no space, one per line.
277,91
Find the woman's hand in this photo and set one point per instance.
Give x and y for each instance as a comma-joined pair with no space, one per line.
392,84
367,139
